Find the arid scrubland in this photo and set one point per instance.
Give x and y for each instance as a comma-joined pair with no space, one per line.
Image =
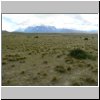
49,60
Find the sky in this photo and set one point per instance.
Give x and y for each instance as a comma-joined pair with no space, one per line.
83,22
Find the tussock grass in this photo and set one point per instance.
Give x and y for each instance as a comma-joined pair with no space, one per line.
45,62
22,61
8,82
15,57
29,53
84,81
60,69
12,65
35,78
36,36
4,62
69,69
59,56
44,74
22,72
54,79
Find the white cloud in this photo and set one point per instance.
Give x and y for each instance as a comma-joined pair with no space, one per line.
11,22
92,18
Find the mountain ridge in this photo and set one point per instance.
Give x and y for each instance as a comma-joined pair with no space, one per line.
50,29
46,29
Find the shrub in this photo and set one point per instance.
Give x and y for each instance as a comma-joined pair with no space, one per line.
36,36
58,56
22,72
34,64
68,60
69,68
8,82
60,69
54,79
43,55
77,83
44,74
79,54
4,63
38,73
85,38
95,70
35,78
80,65
45,62
83,81
12,65
90,80
4,58
15,57
22,58
89,65
22,61
29,53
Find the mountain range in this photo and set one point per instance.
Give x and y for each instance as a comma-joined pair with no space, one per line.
49,29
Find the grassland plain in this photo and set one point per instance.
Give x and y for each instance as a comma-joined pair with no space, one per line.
49,60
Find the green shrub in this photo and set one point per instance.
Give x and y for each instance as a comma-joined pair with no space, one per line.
85,38
79,54
36,36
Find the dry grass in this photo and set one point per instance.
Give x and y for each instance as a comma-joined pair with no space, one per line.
44,60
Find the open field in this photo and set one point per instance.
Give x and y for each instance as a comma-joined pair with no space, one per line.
48,60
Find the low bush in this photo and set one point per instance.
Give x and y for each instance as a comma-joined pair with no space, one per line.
54,79
22,72
69,69
36,36
12,65
80,54
85,38
4,63
60,69
45,62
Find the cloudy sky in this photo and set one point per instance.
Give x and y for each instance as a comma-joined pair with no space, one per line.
87,22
